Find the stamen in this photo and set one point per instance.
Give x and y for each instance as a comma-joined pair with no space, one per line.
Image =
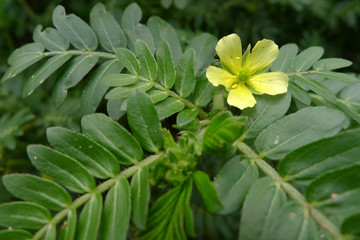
234,86
237,58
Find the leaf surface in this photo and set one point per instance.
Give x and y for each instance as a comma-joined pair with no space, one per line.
39,190
298,129
113,136
74,29
144,121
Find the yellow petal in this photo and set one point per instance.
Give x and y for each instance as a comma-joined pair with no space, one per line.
220,76
241,97
230,52
262,56
271,83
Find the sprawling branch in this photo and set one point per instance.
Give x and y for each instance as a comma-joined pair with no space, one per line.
99,189
319,217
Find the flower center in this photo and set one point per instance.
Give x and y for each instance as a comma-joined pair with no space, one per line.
243,75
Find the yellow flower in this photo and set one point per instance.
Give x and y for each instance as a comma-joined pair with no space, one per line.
244,75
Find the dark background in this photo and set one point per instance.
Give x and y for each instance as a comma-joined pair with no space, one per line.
331,24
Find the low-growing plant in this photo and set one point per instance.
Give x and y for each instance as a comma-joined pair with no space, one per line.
262,144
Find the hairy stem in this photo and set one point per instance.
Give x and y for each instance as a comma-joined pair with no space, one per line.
79,52
99,189
319,217
300,73
187,103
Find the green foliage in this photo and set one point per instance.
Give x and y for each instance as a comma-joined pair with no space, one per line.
285,169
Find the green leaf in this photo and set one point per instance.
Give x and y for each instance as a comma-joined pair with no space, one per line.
186,116
343,77
166,220
157,95
135,30
267,110
22,58
113,136
147,60
23,54
348,111
331,64
67,231
89,219
307,58
23,215
299,225
351,225
166,72
115,109
233,182
204,46
299,93
166,3
336,191
208,192
189,221
312,160
262,204
73,74
118,80
287,54
62,168
38,190
140,197
110,35
11,126
298,129
125,91
128,59
185,74
181,4
15,234
43,72
51,39
144,121
204,91
316,87
351,94
168,107
222,132
116,215
95,90
163,31
74,29
95,158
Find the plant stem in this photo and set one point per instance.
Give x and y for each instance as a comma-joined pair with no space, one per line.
187,103
99,189
320,218
79,52
301,73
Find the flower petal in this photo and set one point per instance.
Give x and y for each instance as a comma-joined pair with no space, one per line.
220,76
229,51
271,83
262,56
241,97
